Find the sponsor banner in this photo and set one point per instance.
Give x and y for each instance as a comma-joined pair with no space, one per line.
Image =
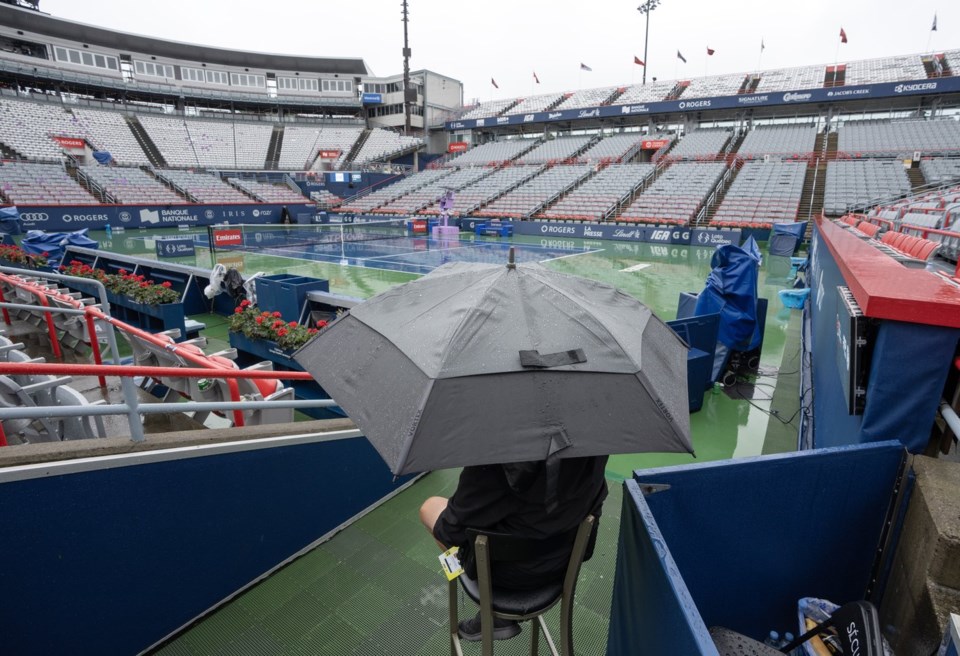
227,237
638,233
654,144
710,237
70,142
457,146
68,217
329,154
176,247
796,97
371,99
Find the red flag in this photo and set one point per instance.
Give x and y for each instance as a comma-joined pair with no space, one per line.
535,78
494,83
843,36
710,50
638,61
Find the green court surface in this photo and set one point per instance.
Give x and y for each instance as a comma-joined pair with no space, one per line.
376,587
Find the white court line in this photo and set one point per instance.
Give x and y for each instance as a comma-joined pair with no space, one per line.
636,267
578,254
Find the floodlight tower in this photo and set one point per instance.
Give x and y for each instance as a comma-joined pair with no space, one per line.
406,70
646,8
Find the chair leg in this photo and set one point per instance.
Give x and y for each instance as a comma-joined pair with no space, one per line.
452,601
566,625
547,637
535,637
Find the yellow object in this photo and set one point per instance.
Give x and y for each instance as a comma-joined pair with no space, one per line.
815,642
450,563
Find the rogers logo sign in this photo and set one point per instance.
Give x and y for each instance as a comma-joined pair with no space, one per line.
227,238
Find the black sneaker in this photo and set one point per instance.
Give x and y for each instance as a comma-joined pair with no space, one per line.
469,630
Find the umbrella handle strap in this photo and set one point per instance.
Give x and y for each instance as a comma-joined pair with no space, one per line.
534,359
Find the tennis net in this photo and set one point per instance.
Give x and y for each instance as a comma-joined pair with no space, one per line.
244,237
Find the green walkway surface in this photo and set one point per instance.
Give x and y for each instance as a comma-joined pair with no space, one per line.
376,587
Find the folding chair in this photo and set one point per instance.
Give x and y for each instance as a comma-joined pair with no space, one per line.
855,625
522,605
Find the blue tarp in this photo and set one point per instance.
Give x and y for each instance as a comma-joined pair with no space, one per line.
38,242
9,220
102,156
786,237
798,229
731,290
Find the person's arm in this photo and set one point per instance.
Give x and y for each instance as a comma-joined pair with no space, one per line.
478,502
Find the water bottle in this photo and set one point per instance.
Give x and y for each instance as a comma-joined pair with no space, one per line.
773,640
109,232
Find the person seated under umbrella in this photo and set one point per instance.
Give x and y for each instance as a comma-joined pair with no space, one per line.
526,499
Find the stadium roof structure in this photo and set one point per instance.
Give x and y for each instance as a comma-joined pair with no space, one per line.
41,23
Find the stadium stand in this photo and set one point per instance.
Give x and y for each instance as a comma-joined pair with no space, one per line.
899,138
494,152
420,198
325,200
784,141
27,128
677,195
129,185
536,192
172,139
491,108
720,85
28,183
486,189
536,103
380,197
600,196
109,131
302,143
701,144
856,183
251,141
383,144
203,187
940,171
554,150
763,193
886,69
614,148
788,79
641,93
587,98
268,193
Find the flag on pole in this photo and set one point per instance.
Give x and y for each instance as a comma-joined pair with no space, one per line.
638,61
535,78
584,67
762,46
843,36
710,50
934,28
681,57
494,83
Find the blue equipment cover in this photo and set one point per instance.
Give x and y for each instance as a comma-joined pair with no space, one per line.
798,229
38,242
102,156
9,220
731,290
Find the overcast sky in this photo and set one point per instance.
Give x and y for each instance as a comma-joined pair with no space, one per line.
510,39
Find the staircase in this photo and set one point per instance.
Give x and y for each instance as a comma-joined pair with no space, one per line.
357,145
835,76
931,70
150,148
749,84
273,149
82,180
734,146
811,198
639,189
677,90
613,96
9,153
719,195
917,183
554,104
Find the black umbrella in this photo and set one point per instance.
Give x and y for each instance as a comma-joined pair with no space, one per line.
478,364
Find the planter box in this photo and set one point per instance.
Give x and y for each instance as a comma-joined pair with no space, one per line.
153,318
264,349
286,293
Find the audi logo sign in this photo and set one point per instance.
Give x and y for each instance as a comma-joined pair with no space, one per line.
34,217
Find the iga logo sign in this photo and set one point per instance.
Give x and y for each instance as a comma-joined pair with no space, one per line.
34,217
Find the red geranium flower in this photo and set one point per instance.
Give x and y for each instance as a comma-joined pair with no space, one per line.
166,283
238,310
292,324
244,303
259,321
276,314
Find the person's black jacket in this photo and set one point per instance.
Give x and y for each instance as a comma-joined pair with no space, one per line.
512,499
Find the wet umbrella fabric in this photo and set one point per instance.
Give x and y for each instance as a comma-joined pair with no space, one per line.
432,371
